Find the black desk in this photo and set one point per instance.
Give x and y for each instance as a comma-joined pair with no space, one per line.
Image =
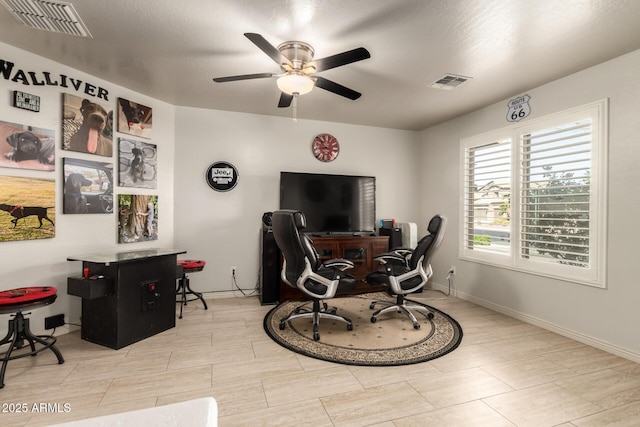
132,300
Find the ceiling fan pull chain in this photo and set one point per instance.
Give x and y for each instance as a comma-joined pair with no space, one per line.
295,107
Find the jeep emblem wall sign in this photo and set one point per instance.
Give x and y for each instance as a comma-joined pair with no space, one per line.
222,176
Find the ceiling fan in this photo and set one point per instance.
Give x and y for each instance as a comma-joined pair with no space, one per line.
299,69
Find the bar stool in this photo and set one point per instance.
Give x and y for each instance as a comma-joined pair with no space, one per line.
14,301
188,266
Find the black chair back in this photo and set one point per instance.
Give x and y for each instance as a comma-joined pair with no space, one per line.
295,247
303,270
428,244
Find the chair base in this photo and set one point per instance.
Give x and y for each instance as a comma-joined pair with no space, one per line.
401,307
316,314
18,333
183,290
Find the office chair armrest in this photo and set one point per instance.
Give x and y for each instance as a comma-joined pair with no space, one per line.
404,252
339,263
389,257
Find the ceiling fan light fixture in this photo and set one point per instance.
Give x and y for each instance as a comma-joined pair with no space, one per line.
295,83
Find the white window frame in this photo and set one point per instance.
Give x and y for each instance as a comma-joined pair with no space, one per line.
595,273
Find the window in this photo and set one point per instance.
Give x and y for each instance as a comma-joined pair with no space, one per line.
534,196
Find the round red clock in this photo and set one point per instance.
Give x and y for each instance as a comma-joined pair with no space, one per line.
325,147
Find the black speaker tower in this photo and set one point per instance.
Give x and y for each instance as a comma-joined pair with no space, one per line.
395,236
270,267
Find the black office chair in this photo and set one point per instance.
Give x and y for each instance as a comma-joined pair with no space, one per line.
404,271
303,270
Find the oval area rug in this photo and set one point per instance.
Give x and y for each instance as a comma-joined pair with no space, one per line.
391,341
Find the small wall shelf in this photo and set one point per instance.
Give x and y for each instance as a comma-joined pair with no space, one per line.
89,288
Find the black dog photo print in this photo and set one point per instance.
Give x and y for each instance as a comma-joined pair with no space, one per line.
87,187
27,147
134,119
87,126
138,164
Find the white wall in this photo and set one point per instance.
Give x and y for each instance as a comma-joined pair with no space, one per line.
608,317
417,176
43,262
223,228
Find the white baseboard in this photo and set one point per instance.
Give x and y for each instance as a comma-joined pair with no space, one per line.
560,330
65,329
229,294
60,330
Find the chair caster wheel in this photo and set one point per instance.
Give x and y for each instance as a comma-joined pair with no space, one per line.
372,306
333,311
325,306
282,325
349,327
374,319
416,326
316,336
430,315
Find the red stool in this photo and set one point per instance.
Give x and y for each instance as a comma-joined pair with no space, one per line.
188,266
14,301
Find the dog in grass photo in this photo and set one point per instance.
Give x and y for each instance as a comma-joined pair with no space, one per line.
27,208
19,212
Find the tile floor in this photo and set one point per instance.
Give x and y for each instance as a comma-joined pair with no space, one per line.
505,373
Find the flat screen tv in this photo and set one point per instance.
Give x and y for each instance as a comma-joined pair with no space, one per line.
332,204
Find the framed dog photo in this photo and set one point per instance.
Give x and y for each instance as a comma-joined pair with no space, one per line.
134,119
27,209
87,187
137,218
27,147
138,164
87,126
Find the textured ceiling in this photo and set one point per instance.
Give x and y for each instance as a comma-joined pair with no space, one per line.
171,50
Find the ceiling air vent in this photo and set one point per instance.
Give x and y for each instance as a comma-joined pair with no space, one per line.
56,16
448,82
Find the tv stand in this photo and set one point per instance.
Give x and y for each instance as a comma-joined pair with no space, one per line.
358,249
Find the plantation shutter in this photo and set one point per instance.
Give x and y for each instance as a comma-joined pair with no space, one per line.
555,194
487,196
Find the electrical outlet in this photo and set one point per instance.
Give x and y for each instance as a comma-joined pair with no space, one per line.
452,270
233,271
54,321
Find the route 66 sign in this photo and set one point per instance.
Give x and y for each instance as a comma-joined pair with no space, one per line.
518,108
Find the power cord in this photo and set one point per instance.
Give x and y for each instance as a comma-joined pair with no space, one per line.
242,291
450,281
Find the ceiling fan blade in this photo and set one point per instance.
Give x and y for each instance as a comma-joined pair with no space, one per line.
336,88
340,59
285,100
268,48
243,77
